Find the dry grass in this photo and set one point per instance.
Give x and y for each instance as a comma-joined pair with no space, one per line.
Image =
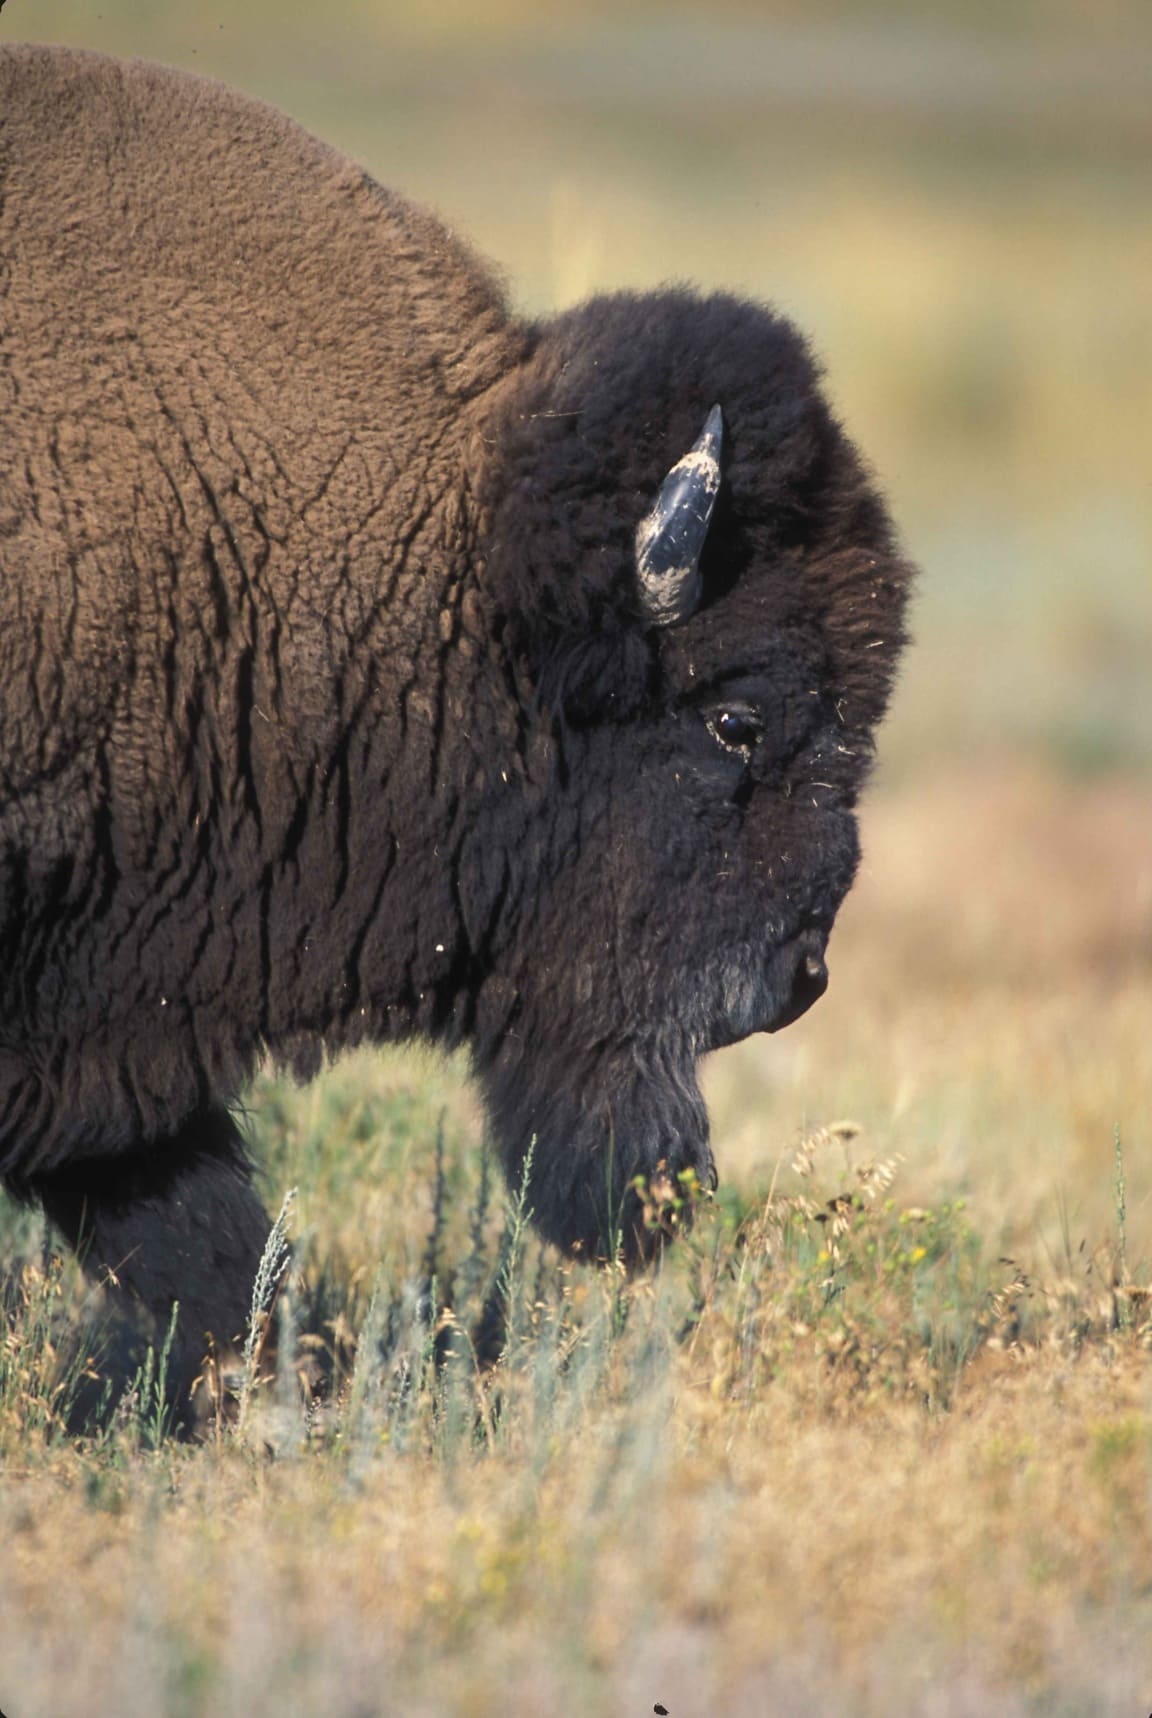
806,1549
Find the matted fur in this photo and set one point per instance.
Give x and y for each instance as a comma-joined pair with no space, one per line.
330,711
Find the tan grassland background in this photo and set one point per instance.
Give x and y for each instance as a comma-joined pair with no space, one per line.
880,1439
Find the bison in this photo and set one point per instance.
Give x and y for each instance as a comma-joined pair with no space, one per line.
377,663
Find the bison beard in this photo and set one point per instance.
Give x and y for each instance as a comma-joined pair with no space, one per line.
628,1117
376,664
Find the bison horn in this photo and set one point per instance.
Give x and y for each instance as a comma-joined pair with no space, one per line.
670,539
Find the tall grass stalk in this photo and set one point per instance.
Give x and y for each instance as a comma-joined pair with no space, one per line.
146,1413
1123,1299
1121,1204
273,1264
519,1215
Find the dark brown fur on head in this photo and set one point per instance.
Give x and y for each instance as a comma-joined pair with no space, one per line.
700,879
613,393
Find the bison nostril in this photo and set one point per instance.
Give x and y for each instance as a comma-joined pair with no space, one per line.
809,982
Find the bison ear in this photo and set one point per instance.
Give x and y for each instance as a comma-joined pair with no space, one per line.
670,539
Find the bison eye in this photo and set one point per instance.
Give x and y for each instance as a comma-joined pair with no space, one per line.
738,727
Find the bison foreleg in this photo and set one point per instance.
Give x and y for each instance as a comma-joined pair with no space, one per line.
175,1221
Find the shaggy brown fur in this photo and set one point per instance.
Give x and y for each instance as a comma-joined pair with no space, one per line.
330,708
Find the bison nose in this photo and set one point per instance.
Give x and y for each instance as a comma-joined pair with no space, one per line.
809,981
815,969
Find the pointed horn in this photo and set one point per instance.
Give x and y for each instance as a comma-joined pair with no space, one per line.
670,539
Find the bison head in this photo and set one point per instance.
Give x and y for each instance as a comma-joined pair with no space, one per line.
693,584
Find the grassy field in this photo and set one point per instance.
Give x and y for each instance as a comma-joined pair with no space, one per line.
878,1437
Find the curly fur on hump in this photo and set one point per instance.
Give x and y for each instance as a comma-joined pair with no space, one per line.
331,711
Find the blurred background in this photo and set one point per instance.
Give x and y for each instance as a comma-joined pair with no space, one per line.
954,199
